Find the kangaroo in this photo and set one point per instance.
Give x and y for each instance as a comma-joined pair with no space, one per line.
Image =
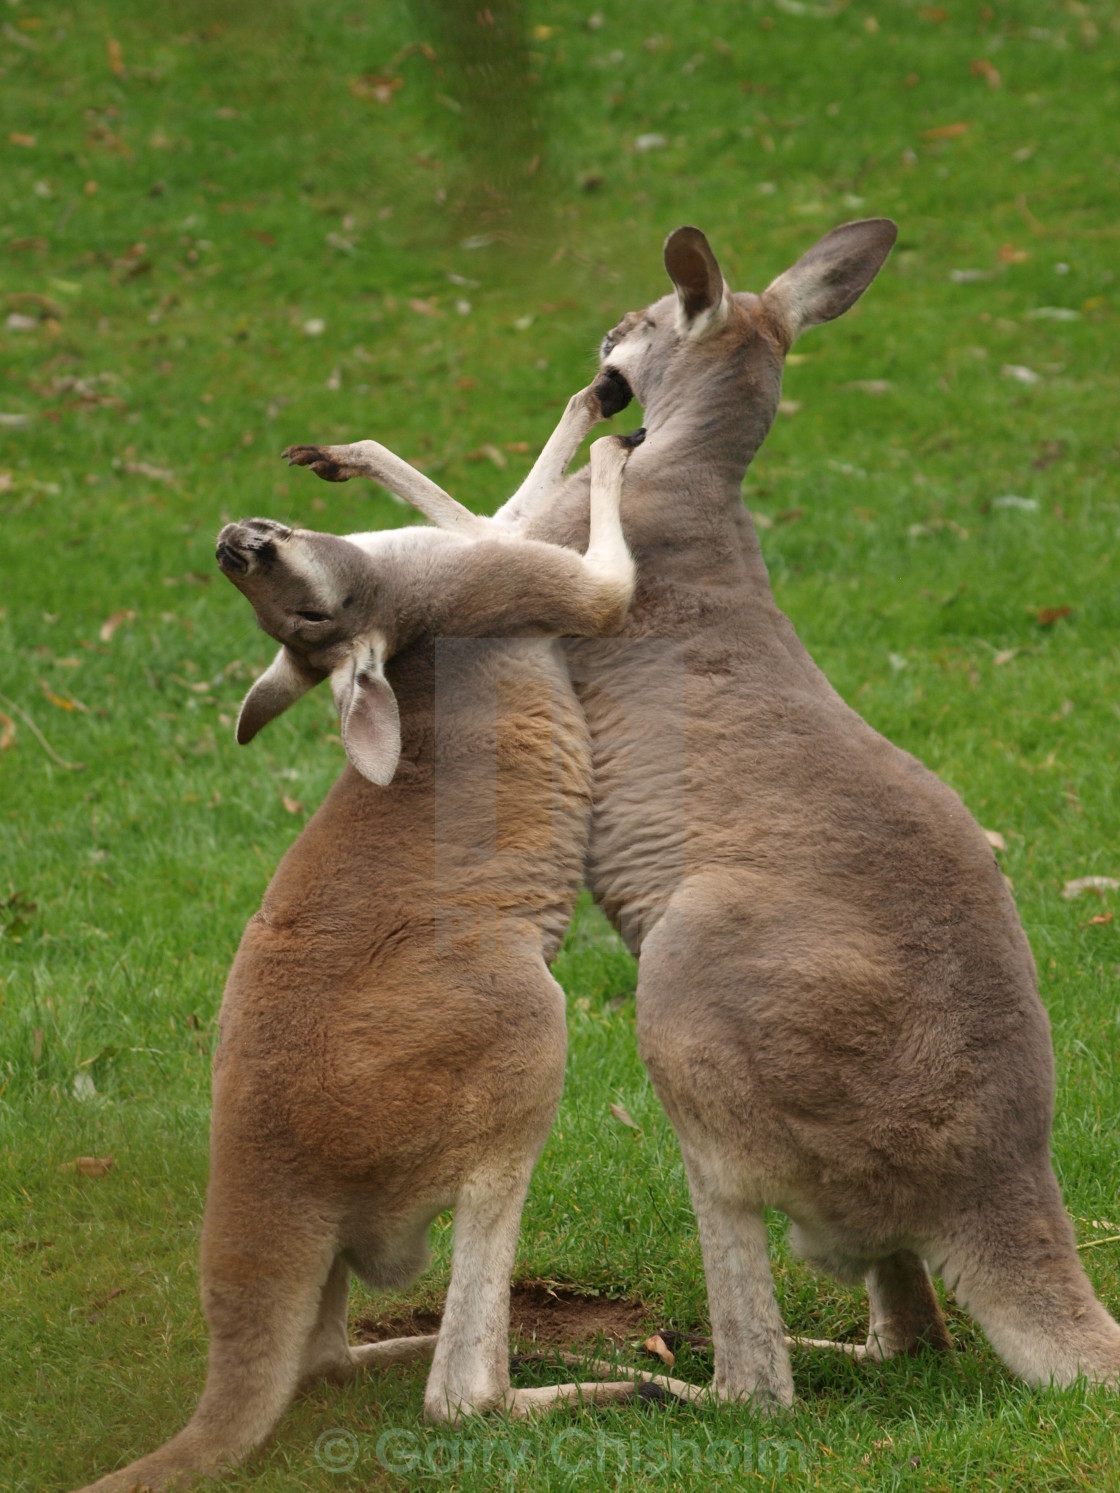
836,1001
392,1043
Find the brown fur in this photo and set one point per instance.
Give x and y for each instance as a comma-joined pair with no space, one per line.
392,1043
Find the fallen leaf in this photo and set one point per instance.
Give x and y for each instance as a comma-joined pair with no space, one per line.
1020,374
7,731
995,839
487,453
1009,254
981,67
292,805
89,1166
623,1118
1101,917
27,142
116,57
95,1306
946,131
869,386
656,1345
1004,656
790,407
1098,885
1047,616
423,308
62,702
145,469
197,687
110,625
380,89
650,142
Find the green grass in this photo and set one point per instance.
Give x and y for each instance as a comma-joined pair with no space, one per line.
185,188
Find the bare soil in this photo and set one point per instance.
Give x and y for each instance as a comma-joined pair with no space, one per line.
542,1314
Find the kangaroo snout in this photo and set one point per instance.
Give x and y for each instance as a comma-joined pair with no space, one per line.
242,546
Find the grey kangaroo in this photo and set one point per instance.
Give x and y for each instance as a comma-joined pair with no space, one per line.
836,1001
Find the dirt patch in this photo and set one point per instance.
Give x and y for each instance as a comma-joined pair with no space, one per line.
541,1315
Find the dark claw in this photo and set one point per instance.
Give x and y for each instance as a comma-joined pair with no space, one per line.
613,391
649,1395
313,457
635,438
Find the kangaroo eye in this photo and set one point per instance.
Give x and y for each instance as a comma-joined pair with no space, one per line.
314,616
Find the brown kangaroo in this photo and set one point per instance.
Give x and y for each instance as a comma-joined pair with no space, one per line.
392,1043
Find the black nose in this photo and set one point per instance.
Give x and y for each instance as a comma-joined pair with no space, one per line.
613,391
229,559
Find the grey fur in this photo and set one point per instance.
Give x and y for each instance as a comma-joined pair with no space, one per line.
836,1001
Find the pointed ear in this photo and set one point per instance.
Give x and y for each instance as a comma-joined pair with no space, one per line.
701,293
367,707
282,684
831,276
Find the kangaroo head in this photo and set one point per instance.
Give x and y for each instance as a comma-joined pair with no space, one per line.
704,345
320,596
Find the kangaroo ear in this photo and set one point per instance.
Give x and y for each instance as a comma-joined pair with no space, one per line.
831,276
367,707
285,680
701,293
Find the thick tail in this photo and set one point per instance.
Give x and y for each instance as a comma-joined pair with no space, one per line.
262,1291
1017,1270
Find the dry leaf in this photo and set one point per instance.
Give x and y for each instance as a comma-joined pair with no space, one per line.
380,89
292,805
67,702
144,469
89,1166
946,131
656,1344
28,142
110,625
869,386
7,731
487,453
623,1118
1098,885
995,839
1004,656
116,57
1047,616
1101,917
95,1306
981,67
423,308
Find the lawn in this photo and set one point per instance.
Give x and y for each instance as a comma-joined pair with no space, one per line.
227,227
